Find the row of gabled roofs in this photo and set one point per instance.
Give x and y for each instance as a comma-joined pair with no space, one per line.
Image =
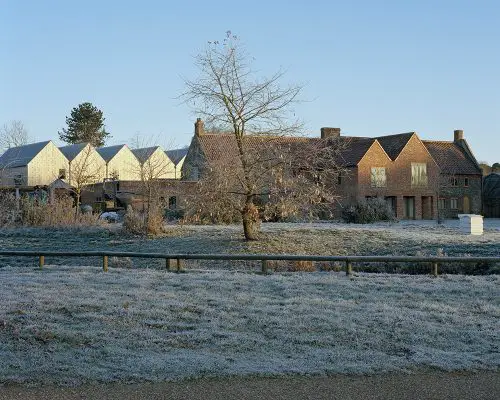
453,157
22,155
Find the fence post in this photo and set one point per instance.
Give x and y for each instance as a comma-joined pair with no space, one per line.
179,265
41,261
435,269
265,266
348,268
169,263
105,263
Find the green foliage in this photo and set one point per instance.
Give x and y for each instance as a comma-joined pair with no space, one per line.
368,211
85,125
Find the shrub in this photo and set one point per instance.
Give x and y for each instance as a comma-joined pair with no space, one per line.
303,266
8,209
368,211
59,212
135,221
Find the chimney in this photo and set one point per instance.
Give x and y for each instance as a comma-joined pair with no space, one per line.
458,134
330,133
199,130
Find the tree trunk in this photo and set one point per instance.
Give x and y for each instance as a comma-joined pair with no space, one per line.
251,221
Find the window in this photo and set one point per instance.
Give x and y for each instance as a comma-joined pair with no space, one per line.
377,177
454,204
453,181
441,204
418,174
466,182
339,179
62,173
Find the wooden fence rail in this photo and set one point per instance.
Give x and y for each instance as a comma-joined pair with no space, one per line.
175,261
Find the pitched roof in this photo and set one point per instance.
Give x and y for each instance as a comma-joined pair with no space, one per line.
451,158
21,155
393,144
144,153
176,155
354,150
109,152
60,184
217,147
72,150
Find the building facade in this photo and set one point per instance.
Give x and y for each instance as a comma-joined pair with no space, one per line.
408,173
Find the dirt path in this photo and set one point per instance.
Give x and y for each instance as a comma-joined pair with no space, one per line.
422,386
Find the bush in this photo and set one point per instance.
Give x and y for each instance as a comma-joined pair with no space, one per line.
303,266
59,212
135,221
8,210
368,211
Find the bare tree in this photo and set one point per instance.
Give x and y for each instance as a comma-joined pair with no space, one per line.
84,170
13,134
155,167
229,96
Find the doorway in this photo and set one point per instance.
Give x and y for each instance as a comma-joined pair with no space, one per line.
466,205
409,207
426,207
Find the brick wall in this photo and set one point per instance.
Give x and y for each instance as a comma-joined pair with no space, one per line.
459,191
398,178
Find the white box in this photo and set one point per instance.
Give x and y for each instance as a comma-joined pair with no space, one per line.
471,224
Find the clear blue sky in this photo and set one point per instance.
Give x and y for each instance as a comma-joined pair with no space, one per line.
370,67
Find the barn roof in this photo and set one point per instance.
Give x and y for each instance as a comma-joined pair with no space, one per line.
72,150
177,155
144,153
110,151
21,156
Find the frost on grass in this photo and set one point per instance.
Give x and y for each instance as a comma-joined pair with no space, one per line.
417,238
68,325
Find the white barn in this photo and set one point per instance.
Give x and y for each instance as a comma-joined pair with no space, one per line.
121,163
35,164
86,166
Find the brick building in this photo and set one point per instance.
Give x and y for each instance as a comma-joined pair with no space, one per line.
412,175
460,184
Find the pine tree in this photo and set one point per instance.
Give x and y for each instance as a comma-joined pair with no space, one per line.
85,125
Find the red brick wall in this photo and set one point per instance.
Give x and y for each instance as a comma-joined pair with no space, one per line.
398,175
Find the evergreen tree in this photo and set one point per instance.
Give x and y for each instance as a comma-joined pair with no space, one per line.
85,125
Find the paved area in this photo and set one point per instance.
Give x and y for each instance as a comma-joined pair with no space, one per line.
433,385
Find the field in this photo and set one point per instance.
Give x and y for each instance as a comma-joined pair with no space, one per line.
70,324
322,238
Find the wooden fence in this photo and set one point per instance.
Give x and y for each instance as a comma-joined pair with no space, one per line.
174,262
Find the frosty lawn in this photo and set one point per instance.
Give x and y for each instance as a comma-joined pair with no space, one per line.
69,325
414,238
